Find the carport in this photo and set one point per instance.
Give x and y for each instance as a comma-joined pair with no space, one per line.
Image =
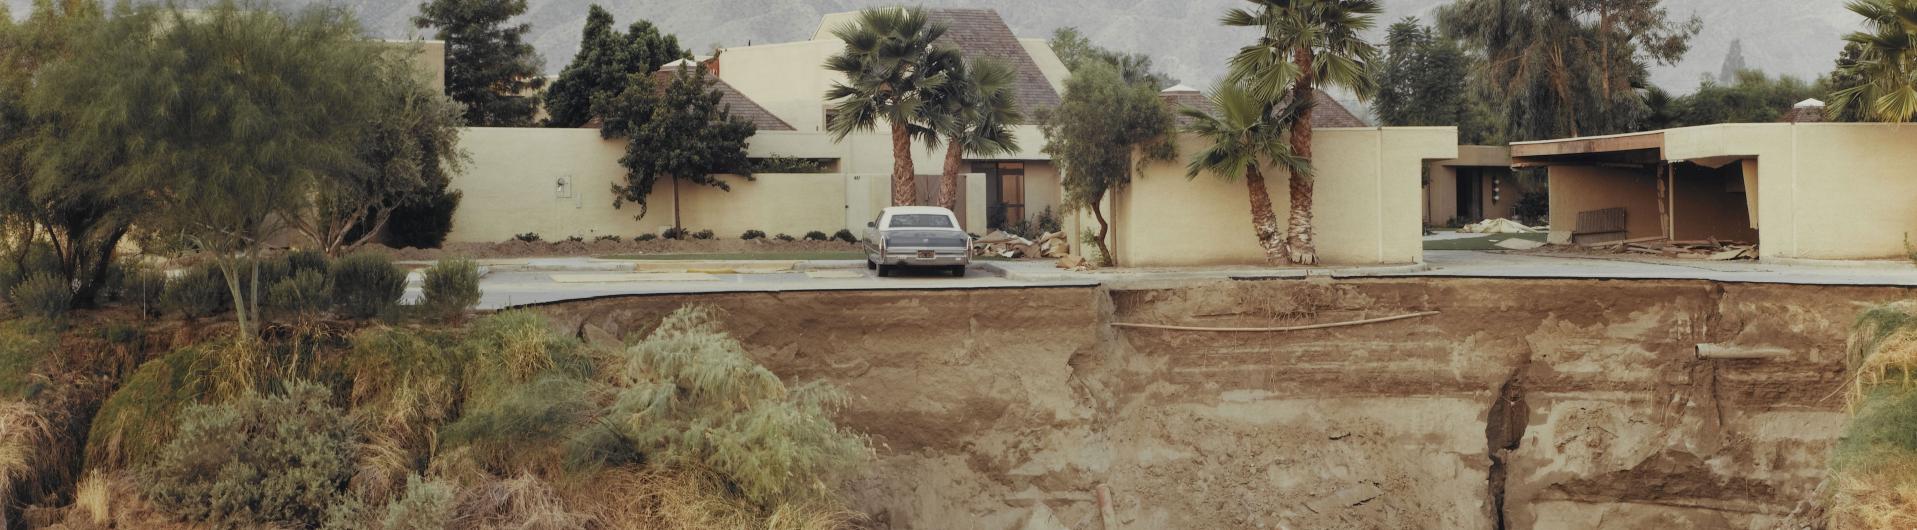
1628,187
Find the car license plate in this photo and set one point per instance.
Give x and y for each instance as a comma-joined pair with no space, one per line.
927,254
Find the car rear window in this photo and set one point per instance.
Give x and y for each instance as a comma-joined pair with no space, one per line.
920,220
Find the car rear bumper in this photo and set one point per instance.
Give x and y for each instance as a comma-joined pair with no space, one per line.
939,259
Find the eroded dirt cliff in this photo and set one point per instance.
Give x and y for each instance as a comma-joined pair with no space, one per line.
1521,404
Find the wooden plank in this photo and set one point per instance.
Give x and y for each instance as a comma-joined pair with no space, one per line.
1601,144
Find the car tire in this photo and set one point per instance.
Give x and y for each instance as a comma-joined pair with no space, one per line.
869,265
958,271
884,271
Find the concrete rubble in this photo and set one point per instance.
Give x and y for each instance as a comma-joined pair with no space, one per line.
1701,249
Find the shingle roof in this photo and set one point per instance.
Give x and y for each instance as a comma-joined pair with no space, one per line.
1327,113
741,105
982,33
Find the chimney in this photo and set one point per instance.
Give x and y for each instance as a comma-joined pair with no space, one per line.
1806,111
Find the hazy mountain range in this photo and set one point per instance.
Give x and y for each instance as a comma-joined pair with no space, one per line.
1796,37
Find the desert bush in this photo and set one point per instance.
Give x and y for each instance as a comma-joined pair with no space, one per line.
703,235
1533,208
607,237
575,239
845,235
138,416
406,384
451,287
281,458
527,237
513,346
24,434
23,343
1035,227
44,295
426,505
145,288
306,293
9,277
305,260
521,424
752,234
646,237
786,238
815,235
366,284
691,398
673,234
647,498
1874,465
197,292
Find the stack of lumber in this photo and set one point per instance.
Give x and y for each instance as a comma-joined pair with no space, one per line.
1705,249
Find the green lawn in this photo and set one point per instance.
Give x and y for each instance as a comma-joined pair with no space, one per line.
1482,243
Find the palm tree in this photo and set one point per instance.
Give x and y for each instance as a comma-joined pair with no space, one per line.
891,67
974,113
1242,136
1306,44
1887,63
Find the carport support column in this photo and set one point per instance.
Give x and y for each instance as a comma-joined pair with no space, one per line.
1665,200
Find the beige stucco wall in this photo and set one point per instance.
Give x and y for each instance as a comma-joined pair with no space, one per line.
1577,189
511,188
1825,190
1366,210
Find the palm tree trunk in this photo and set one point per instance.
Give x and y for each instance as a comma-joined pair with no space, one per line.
949,180
904,191
1263,219
1299,245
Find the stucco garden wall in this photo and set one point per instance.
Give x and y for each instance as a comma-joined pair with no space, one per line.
1577,189
1367,203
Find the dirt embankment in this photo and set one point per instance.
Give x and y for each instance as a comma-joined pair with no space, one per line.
1523,404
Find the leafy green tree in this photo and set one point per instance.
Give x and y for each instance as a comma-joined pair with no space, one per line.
408,152
680,131
1569,67
606,58
1886,63
1100,123
1753,98
1424,82
1845,76
973,113
1076,51
1304,46
1241,136
229,116
489,66
891,67
49,189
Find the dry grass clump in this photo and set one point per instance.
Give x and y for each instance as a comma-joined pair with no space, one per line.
641,499
133,423
1874,466
1880,496
23,431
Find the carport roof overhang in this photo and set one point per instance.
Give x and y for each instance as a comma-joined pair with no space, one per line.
1635,149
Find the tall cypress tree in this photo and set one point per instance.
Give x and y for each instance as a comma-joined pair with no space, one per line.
489,66
606,58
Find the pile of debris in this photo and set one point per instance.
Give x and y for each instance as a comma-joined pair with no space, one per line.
1500,226
1704,249
1005,245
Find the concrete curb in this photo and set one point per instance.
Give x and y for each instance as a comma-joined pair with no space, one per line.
1011,273
1840,263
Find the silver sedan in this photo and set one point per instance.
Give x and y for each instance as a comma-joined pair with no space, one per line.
916,236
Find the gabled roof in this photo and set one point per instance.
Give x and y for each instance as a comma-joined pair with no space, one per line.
741,106
982,33
1326,112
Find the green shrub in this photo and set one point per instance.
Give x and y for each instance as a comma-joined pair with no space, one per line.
646,237
145,288
43,295
138,417
197,292
23,343
527,237
691,398
704,235
426,505
673,234
514,423
1045,222
786,238
423,222
283,458
513,346
575,239
451,287
9,277
607,237
305,260
750,235
815,235
366,285
306,293
845,235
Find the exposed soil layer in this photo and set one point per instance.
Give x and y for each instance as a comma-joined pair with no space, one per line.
1523,404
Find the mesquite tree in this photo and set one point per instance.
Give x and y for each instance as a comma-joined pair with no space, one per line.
1100,124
